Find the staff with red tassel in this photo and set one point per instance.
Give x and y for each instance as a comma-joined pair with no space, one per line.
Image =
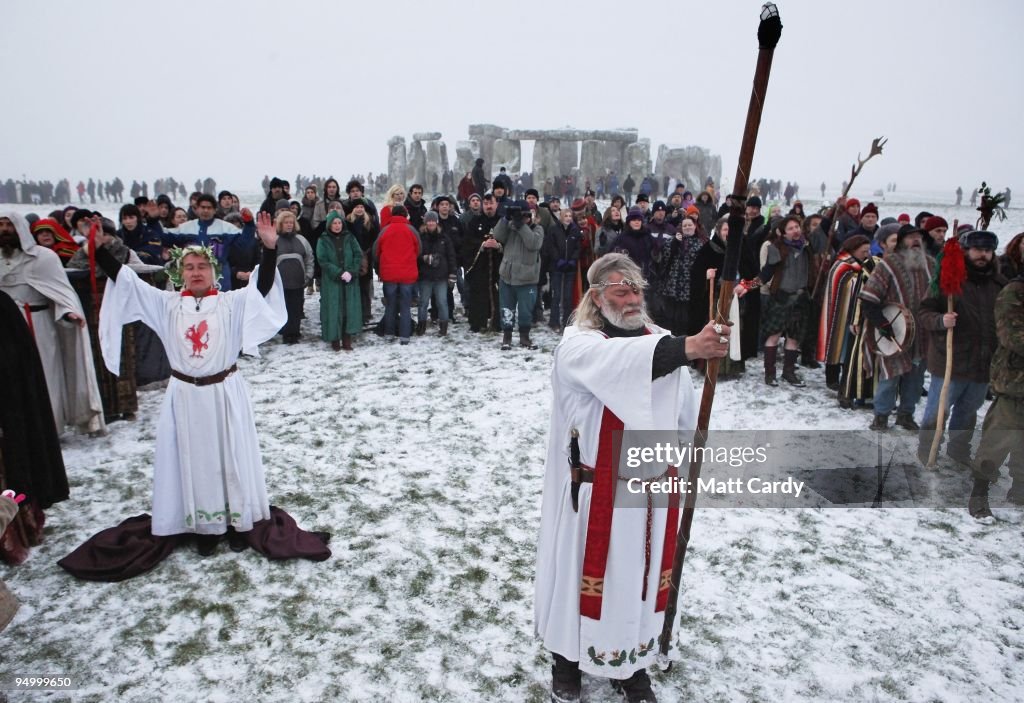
952,274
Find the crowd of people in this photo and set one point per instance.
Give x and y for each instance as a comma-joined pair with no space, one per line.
842,289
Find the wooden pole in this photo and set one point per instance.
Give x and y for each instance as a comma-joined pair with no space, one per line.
769,32
940,419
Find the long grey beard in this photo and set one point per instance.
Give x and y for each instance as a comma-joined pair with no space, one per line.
619,319
916,260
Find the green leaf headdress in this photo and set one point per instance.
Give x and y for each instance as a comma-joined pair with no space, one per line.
178,255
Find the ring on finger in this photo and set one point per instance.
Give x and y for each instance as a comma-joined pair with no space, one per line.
723,340
718,328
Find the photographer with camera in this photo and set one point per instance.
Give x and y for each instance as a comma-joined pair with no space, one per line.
519,272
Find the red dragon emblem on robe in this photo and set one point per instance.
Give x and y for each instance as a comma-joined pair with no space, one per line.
199,336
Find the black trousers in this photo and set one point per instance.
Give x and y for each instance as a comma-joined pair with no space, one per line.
293,300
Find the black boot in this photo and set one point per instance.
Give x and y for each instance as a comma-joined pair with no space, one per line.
808,361
880,423
977,505
237,541
832,373
421,328
506,340
566,684
524,340
442,329
789,368
206,544
637,688
906,421
770,355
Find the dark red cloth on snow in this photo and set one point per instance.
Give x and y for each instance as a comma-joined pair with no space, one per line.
129,549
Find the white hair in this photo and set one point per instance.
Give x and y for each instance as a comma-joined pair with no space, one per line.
588,313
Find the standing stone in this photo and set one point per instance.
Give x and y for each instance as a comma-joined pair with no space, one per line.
444,156
690,164
592,163
613,155
545,162
568,157
637,162
435,168
396,160
466,154
486,135
507,153
417,164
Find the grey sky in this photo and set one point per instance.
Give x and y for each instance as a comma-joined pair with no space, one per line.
239,89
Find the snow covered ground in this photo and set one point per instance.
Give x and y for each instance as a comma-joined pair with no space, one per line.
425,463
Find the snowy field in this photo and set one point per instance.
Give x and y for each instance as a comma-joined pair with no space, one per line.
425,463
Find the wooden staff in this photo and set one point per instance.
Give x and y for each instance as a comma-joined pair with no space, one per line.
825,259
768,33
952,273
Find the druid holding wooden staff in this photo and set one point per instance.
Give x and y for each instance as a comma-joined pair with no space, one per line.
959,314
608,549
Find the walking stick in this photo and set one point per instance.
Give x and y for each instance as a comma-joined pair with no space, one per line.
952,273
876,150
768,33
711,299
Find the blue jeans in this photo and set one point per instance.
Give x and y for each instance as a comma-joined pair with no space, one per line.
909,386
965,399
561,297
399,300
438,289
516,298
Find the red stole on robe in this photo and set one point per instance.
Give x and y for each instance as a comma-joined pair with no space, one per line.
599,523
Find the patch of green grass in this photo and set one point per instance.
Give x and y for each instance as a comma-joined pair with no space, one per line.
419,583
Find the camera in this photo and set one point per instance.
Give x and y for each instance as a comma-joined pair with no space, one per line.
514,212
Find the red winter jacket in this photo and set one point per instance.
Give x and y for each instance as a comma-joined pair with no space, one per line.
396,251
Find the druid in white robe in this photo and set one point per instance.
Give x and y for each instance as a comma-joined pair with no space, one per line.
35,279
208,473
602,578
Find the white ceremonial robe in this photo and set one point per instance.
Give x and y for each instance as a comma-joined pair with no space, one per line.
592,373
208,473
34,276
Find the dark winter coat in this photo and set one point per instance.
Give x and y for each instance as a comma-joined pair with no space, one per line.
1008,363
453,229
416,212
974,337
145,240
636,245
479,227
437,256
606,237
294,261
341,308
365,235
561,248
479,180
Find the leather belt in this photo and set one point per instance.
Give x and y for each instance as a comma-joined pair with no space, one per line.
581,474
205,380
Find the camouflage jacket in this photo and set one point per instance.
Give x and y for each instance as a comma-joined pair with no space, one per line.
1008,361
